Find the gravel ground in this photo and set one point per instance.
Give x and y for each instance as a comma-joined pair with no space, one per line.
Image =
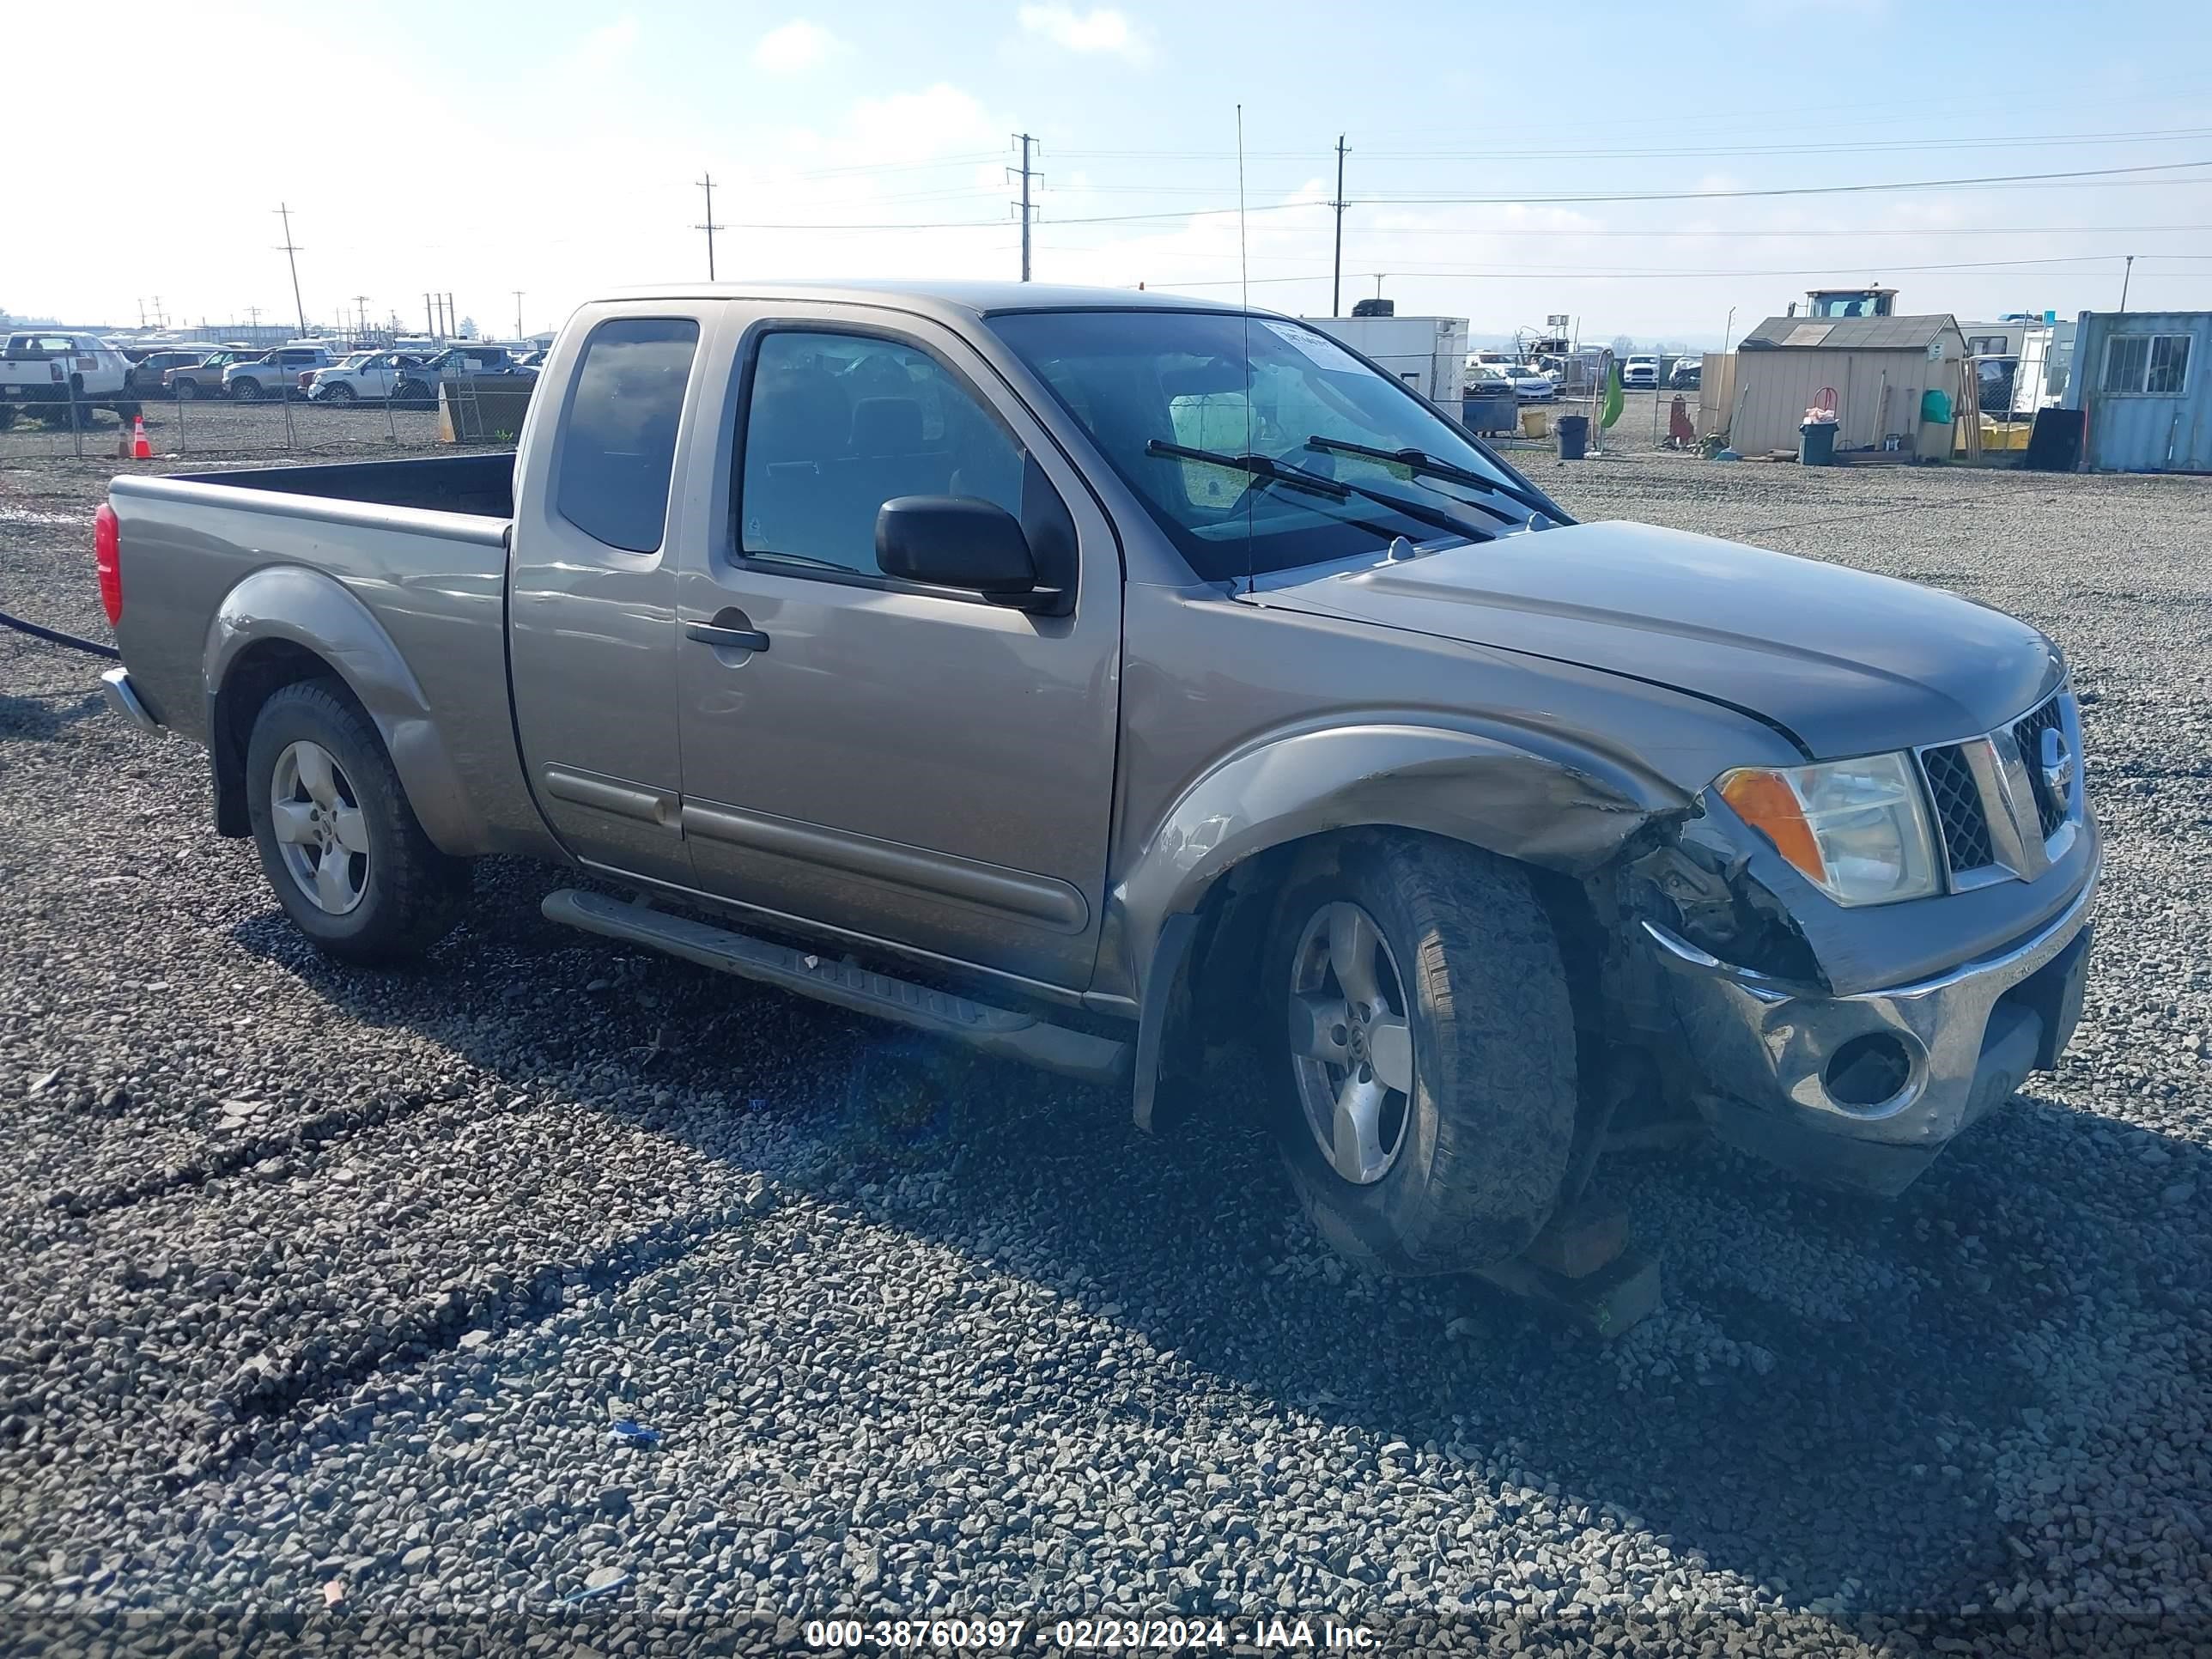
324,1288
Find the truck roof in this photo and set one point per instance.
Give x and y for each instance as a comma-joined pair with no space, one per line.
971,298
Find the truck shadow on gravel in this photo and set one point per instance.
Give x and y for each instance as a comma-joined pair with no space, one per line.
1832,1404
42,719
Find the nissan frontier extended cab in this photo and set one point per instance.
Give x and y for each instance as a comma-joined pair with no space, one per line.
1104,679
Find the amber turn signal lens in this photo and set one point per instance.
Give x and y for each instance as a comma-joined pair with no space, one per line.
1765,801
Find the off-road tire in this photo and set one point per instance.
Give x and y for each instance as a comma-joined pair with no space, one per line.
1491,1119
414,893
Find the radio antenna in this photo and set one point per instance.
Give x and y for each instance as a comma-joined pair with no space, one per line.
1244,308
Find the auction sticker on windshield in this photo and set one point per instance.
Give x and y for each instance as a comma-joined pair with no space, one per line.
1320,350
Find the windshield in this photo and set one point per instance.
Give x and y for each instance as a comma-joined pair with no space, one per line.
1133,378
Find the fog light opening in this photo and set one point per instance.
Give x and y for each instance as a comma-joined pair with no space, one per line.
1868,1071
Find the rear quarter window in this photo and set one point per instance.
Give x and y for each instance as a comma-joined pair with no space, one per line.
618,439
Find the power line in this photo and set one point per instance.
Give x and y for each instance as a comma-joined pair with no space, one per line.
1840,147
1615,276
1991,180
1996,178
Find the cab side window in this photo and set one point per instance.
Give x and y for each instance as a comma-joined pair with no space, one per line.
837,424
618,438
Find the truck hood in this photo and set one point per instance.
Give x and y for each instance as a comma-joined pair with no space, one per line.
1846,662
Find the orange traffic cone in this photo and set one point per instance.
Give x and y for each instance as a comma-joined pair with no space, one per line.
141,449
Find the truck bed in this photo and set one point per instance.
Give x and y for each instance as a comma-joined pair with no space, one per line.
482,485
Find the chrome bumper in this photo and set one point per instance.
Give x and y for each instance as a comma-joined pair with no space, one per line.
1966,1039
116,685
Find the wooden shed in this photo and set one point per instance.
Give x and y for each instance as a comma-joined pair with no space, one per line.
1877,367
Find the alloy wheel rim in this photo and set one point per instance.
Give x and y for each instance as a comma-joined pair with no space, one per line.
1352,1045
320,830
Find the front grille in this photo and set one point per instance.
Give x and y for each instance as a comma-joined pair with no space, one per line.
1958,809
2028,731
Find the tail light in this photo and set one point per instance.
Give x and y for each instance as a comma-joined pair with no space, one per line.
107,560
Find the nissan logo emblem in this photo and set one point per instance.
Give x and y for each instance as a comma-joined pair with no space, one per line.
2058,762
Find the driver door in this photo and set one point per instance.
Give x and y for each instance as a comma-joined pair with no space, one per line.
908,764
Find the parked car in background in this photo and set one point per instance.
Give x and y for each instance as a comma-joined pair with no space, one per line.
1474,820
369,375
1530,384
418,385
64,366
1687,373
148,372
204,378
1640,371
276,375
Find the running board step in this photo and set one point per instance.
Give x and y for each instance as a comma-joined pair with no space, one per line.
999,1031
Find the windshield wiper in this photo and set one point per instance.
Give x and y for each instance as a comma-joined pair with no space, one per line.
1424,464
1268,469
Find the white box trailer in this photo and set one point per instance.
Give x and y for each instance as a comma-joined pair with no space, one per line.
1429,353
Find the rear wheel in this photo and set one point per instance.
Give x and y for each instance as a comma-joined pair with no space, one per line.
1424,1052
339,844
411,394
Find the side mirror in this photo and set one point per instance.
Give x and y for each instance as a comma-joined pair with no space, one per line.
955,541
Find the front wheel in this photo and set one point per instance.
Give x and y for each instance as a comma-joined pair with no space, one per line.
1424,1047
244,391
337,392
185,390
339,844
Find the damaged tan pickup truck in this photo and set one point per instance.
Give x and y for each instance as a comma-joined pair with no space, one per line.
1093,676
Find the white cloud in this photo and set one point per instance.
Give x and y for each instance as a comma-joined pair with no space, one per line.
606,44
796,48
1100,30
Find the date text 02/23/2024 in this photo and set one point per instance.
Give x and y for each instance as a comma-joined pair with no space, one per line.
1085,1635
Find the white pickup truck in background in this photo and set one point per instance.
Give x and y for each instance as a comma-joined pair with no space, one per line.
59,367
363,375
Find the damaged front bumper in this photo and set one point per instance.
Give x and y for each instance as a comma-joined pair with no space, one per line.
1861,1092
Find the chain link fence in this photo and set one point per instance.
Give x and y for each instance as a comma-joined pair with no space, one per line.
213,429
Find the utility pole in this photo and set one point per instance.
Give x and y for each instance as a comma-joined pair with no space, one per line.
1336,282
1027,174
518,313
429,324
291,254
141,313
707,183
360,313
2124,277
449,316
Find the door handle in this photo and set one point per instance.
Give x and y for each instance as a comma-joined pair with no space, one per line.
728,639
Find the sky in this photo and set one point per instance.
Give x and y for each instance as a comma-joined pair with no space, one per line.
556,148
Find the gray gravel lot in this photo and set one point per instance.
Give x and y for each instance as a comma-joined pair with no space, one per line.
316,1278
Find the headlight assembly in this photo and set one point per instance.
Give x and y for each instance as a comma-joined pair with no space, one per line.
1857,829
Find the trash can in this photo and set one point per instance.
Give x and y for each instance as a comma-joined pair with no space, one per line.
1574,436
1816,444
